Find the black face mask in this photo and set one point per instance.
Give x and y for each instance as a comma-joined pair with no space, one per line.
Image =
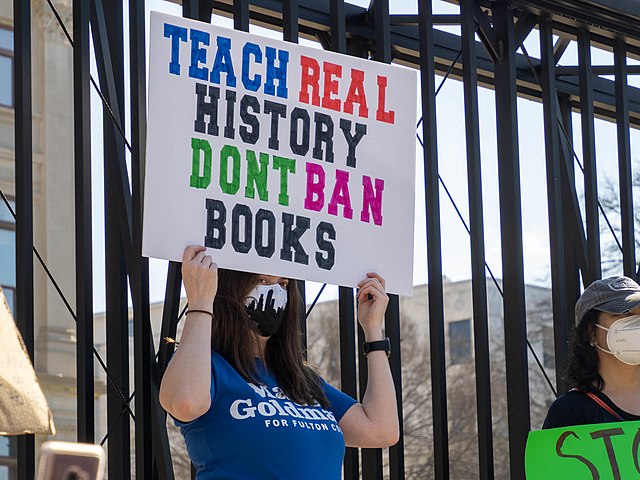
266,305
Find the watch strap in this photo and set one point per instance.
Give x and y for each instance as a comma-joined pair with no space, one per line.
378,345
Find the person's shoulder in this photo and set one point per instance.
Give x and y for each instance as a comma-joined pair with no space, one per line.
568,409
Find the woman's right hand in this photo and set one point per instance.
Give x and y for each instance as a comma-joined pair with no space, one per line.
200,277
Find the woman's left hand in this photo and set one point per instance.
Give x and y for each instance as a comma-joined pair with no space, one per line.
372,303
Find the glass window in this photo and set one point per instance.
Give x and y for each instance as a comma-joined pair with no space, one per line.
4,446
5,214
7,257
459,341
4,473
6,39
6,67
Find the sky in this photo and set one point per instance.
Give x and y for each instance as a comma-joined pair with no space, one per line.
452,166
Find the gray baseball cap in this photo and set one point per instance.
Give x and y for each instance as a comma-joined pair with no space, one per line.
611,295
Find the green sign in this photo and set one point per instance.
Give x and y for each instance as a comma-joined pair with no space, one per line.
599,452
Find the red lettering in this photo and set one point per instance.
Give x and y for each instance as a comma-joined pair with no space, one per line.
381,114
310,78
357,94
331,85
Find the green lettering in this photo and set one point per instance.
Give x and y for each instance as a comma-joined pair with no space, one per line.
195,180
229,151
257,175
285,165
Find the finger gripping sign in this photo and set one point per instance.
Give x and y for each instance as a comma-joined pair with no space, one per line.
279,158
605,451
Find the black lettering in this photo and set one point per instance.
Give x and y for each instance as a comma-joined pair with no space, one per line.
249,102
229,130
303,147
261,217
634,450
291,238
206,108
324,134
325,229
216,232
606,435
276,110
590,466
352,141
241,212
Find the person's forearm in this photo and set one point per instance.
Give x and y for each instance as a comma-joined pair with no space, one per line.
379,401
186,384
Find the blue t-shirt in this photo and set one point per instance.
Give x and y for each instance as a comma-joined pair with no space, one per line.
253,431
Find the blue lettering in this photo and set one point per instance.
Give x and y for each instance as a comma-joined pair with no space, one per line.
252,84
198,54
276,73
223,62
176,34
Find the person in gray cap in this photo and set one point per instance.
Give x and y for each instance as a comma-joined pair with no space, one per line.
604,357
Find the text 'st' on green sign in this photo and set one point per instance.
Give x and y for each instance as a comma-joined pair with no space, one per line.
600,452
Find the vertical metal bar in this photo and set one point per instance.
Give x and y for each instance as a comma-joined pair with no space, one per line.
84,282
241,15
624,158
515,326
434,245
348,375
290,20
476,225
571,258
392,330
338,26
383,30
169,314
150,420
24,205
371,457
561,310
585,76
117,316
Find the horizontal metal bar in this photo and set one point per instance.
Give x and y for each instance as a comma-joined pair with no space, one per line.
442,19
574,70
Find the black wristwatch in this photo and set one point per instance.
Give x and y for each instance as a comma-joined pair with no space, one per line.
378,345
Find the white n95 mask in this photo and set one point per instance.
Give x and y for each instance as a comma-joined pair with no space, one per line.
623,339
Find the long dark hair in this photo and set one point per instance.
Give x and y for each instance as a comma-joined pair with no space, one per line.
234,336
583,356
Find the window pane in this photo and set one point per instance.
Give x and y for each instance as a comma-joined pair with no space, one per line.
6,81
7,258
6,39
4,447
5,214
459,341
4,473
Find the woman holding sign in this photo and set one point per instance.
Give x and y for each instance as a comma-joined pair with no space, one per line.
604,360
247,403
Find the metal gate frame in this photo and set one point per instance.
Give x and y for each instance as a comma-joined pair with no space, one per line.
493,62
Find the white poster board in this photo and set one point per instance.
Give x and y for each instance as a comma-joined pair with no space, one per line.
281,159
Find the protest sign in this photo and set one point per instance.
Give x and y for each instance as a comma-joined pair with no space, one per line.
281,159
601,451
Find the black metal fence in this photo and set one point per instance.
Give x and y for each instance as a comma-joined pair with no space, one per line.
498,61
